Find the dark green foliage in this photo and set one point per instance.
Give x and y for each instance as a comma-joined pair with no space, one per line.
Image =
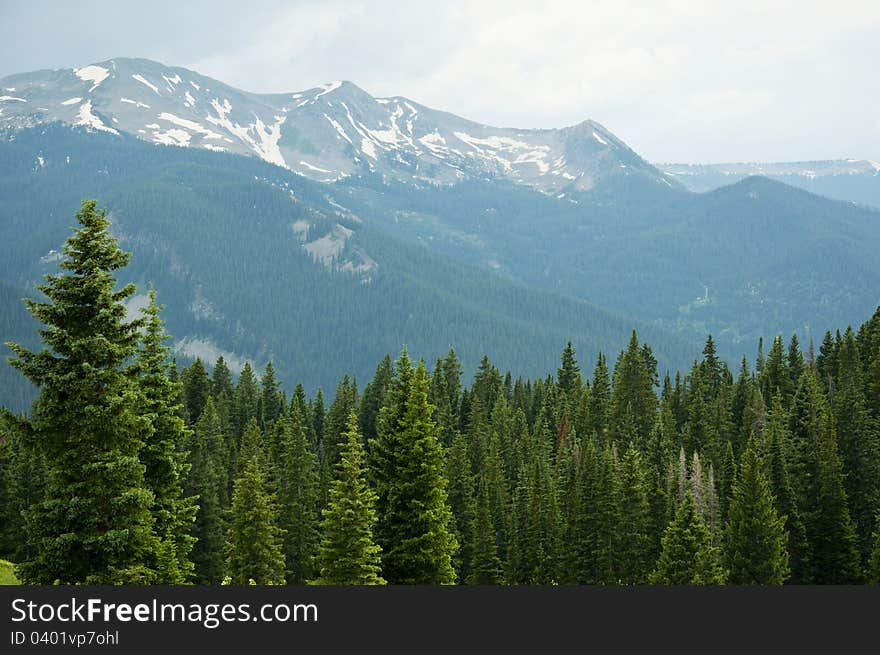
634,549
510,481
419,545
196,389
271,399
94,523
600,401
349,554
633,401
835,556
756,552
688,556
253,542
461,501
858,440
485,565
874,566
163,454
298,498
336,421
208,481
777,440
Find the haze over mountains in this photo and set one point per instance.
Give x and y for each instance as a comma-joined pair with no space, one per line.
856,180
378,221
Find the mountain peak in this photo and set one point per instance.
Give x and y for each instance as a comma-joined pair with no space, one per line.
327,132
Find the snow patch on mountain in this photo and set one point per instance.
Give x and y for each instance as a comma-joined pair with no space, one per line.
327,88
368,148
140,78
172,81
313,167
264,141
339,129
139,105
88,119
173,137
95,74
72,101
8,98
600,139
190,125
269,136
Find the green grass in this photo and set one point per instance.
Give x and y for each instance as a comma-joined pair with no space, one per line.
7,577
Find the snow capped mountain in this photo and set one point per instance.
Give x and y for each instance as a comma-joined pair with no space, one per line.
326,133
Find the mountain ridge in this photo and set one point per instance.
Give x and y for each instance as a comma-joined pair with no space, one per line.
326,133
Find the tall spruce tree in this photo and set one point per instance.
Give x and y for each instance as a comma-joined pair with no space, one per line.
254,539
756,552
163,454
634,541
485,566
349,555
94,524
207,480
858,442
297,498
417,519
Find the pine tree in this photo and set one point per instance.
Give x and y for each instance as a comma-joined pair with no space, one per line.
254,539
335,425
634,543
417,517
94,524
600,401
196,387
461,501
756,552
245,403
817,475
485,566
24,474
385,449
163,456
271,399
207,481
778,440
858,442
688,556
297,498
348,554
569,377
835,555
633,398
374,399
607,523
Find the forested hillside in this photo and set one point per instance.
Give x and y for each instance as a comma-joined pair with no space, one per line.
767,472
741,261
258,263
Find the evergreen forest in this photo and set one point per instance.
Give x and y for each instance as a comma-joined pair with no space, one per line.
131,470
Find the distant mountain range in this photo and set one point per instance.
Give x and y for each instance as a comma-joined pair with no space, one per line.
355,224
856,180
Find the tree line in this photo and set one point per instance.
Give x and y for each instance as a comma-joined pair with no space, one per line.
130,471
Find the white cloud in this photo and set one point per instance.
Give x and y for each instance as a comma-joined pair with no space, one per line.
676,79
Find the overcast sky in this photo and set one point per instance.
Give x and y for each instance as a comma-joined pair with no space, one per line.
679,81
